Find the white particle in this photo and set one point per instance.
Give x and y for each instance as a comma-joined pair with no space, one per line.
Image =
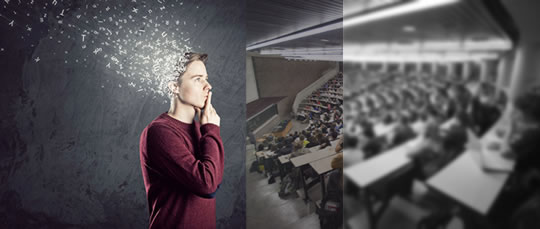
37,59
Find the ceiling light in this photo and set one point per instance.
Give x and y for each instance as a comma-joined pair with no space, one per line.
420,57
405,8
317,30
409,29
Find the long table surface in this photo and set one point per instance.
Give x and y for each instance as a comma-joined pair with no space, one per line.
465,178
323,165
367,172
310,157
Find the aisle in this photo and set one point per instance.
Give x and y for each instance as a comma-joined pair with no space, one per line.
266,210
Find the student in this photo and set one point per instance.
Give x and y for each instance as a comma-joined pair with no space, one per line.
182,160
292,181
323,140
331,214
403,132
484,111
519,203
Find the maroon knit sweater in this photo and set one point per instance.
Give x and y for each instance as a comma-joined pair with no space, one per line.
182,166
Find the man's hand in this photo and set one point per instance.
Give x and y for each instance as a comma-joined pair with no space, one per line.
209,115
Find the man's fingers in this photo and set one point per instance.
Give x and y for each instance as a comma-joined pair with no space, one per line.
209,99
198,111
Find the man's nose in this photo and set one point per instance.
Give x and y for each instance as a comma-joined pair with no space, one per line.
208,86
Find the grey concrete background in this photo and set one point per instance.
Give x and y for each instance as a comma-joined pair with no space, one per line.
70,125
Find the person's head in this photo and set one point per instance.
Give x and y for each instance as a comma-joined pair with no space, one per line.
337,162
298,146
527,112
191,85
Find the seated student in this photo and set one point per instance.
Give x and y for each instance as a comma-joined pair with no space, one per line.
333,134
403,132
331,212
299,150
439,147
303,140
374,146
292,181
323,129
261,147
324,140
301,116
288,139
519,203
339,146
286,148
484,111
313,141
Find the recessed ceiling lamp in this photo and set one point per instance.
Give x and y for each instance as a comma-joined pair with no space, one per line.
405,8
409,29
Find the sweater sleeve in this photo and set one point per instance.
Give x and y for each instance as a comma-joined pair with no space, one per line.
200,175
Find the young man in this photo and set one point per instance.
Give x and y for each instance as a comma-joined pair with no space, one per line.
182,159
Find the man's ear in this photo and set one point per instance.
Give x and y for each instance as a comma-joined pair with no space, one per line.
173,87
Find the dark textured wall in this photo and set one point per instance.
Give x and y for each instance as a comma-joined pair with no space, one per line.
280,77
71,115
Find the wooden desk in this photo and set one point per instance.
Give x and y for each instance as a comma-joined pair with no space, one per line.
264,154
322,167
308,158
313,156
284,158
368,172
467,182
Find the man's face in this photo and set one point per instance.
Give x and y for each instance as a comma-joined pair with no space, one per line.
194,86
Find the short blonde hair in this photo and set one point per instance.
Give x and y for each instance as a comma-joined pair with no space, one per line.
188,58
337,162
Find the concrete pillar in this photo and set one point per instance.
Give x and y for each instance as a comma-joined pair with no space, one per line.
418,67
484,70
384,67
434,68
504,70
401,67
450,71
466,70
364,66
525,70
